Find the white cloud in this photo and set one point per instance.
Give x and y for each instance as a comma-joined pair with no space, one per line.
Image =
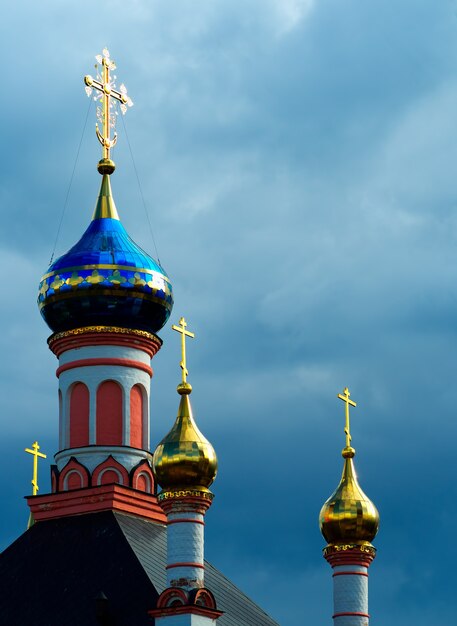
290,13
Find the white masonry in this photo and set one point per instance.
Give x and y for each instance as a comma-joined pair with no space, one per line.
185,547
350,595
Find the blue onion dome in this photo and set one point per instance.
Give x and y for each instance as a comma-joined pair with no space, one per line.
105,279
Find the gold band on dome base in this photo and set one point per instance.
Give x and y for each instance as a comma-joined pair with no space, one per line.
103,266
334,548
104,329
185,493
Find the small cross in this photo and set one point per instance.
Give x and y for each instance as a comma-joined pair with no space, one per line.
106,88
36,454
181,328
345,398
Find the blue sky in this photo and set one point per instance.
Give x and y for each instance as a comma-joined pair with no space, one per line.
298,160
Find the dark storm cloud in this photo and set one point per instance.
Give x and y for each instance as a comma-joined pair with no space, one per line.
298,162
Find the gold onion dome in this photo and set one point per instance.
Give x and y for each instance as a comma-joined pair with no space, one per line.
349,516
185,459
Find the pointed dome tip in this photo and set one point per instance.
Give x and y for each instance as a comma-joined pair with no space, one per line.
105,207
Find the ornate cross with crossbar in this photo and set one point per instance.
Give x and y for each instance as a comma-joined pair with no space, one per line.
345,398
36,454
181,328
105,85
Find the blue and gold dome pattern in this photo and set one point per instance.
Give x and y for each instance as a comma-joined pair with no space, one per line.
105,279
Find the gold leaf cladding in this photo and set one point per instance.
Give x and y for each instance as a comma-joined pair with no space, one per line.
95,278
57,283
75,280
44,288
137,281
116,278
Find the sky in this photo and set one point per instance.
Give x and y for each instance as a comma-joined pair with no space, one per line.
298,164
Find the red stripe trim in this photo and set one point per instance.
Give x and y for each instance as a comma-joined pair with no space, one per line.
83,337
90,362
186,520
172,565
351,615
350,574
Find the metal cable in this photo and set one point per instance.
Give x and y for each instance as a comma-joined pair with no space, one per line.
71,182
141,190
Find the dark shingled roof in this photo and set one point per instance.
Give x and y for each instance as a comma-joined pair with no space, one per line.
54,573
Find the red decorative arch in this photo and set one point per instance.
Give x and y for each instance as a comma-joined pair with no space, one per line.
79,415
110,471
176,597
142,478
173,596
73,480
203,597
109,414
73,476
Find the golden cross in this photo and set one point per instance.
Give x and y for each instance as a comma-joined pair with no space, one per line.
345,398
105,85
184,333
36,454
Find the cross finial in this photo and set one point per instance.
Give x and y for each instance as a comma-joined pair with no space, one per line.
105,91
345,397
36,454
181,328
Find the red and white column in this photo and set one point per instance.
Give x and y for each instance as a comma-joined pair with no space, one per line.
185,539
350,565
104,387
185,601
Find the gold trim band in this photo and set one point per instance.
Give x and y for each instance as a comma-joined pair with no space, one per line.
184,493
104,329
104,266
333,548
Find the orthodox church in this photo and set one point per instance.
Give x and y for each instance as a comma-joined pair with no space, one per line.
121,535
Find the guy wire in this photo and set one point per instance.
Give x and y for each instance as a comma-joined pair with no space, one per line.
71,182
141,190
